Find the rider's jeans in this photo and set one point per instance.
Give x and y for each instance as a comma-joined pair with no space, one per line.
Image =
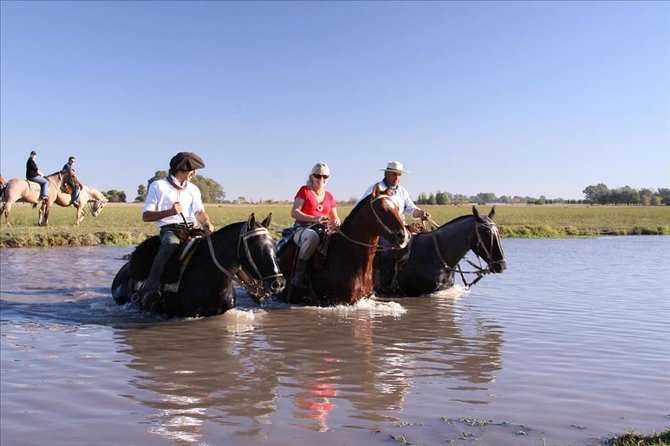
169,244
44,184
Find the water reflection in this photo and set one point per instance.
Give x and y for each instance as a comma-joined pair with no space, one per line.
352,365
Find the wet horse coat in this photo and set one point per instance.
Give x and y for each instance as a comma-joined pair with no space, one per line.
429,263
205,281
344,274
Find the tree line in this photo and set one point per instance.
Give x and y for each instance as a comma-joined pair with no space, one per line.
598,194
212,192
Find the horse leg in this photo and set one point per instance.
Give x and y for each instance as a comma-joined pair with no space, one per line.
80,215
44,213
6,207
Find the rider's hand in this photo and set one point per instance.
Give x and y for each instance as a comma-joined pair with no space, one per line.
176,208
208,228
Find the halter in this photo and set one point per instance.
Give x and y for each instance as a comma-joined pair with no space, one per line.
479,270
381,223
245,235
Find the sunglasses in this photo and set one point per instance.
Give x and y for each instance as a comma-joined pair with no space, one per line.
319,176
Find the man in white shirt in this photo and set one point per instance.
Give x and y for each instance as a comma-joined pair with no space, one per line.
175,204
399,195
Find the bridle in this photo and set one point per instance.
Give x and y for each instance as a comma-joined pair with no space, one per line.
379,221
243,241
481,245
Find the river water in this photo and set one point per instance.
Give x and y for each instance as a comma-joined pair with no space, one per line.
569,345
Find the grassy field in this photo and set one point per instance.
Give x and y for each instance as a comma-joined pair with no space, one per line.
121,223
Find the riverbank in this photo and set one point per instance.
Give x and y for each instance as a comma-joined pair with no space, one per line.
120,224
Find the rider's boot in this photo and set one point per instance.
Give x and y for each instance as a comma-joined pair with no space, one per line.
298,278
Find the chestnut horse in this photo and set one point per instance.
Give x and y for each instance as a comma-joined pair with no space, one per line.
429,263
344,274
203,284
29,192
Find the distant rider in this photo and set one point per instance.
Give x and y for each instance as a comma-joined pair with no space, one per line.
33,173
69,166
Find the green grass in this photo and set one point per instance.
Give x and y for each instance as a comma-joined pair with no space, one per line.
121,224
635,439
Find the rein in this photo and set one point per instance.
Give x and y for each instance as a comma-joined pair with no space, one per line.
245,235
377,247
479,270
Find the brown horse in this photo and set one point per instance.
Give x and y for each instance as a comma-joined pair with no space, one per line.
29,192
344,274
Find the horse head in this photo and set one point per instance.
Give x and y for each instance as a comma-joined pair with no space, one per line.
486,243
259,261
387,215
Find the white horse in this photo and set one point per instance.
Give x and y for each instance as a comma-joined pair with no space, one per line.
88,196
28,191
18,189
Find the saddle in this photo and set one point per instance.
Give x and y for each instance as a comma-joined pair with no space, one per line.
142,258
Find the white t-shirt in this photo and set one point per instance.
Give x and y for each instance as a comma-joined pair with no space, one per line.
162,195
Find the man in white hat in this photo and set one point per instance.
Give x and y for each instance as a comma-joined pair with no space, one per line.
399,195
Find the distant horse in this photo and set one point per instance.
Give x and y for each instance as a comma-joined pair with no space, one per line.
88,196
429,263
29,191
344,274
205,279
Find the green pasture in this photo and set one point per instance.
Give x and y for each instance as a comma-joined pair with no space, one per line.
121,223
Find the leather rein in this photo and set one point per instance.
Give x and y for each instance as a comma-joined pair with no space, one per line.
381,223
479,270
245,235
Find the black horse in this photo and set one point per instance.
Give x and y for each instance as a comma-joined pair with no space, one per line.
429,263
206,274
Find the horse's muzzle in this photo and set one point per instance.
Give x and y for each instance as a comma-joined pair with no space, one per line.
275,285
499,266
400,239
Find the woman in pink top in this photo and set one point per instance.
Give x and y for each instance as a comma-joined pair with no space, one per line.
313,207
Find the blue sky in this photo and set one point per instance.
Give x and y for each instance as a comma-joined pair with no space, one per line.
514,98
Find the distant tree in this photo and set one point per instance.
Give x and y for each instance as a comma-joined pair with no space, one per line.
115,196
141,193
442,198
664,194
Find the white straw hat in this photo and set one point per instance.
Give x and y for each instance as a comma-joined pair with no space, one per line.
394,166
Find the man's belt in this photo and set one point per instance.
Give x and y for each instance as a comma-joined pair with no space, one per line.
176,227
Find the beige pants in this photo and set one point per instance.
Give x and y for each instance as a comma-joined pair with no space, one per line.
307,241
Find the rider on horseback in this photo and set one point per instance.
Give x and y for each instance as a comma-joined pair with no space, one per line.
312,207
175,204
33,173
399,195
76,186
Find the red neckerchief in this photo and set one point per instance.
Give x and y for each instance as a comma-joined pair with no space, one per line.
179,188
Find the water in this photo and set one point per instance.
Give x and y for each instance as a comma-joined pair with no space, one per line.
570,344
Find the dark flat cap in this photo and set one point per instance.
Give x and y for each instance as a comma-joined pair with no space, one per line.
185,162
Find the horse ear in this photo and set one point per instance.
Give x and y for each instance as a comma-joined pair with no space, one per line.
266,222
376,191
492,213
251,221
475,212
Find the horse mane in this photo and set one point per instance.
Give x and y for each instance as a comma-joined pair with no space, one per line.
461,217
356,209
95,193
